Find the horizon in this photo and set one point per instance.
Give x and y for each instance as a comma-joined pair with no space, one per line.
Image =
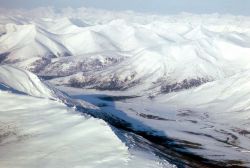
232,7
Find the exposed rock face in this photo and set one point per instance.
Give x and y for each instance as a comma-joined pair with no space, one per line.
185,84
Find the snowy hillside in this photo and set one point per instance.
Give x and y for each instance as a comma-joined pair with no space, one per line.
22,81
211,121
178,83
40,132
120,54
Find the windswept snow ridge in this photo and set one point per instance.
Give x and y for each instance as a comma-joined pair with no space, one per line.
39,132
15,79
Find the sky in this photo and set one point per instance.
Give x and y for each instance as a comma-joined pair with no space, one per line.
238,7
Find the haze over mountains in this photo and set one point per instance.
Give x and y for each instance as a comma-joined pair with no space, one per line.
239,7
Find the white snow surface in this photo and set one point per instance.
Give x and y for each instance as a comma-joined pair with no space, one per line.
195,69
213,118
24,81
112,48
37,131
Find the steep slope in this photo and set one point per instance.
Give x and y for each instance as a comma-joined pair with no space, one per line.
47,134
36,131
15,79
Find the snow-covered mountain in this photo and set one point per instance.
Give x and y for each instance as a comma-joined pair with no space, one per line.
38,130
119,54
182,77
